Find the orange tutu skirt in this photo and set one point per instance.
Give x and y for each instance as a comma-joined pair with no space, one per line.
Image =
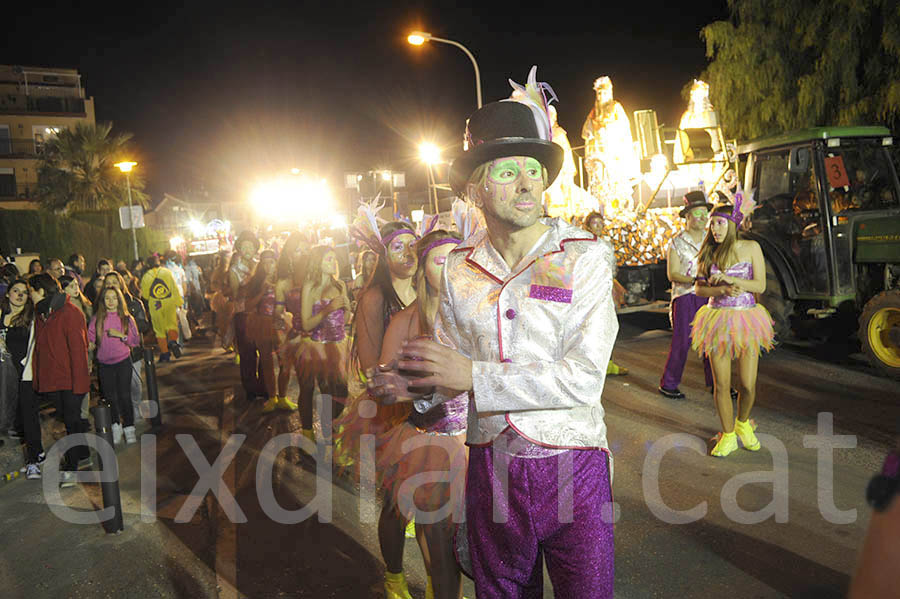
732,331
422,471
364,415
323,362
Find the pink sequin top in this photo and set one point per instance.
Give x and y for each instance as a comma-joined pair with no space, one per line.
331,329
741,270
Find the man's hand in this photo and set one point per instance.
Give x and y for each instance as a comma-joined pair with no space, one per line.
442,366
386,383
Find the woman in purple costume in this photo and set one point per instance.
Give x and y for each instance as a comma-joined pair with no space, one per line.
288,289
422,462
732,326
323,355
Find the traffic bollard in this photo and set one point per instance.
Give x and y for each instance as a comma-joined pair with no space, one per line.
109,489
152,389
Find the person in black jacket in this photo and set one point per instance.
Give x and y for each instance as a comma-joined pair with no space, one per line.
16,345
136,309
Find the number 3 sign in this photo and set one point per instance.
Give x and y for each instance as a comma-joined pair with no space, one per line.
836,173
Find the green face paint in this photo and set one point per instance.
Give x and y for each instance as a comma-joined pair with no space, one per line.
699,213
508,170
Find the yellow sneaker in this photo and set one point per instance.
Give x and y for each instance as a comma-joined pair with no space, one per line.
745,433
726,443
395,586
614,369
283,403
270,405
411,529
429,590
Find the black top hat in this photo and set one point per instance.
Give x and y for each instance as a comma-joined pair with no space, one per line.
502,129
247,236
694,199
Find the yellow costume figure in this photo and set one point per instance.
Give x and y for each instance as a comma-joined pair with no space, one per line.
610,160
159,289
563,198
700,114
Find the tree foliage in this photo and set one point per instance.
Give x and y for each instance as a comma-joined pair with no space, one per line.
779,65
77,171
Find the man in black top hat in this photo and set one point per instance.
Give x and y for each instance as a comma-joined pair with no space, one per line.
526,326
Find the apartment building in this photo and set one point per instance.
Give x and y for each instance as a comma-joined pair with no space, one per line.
35,104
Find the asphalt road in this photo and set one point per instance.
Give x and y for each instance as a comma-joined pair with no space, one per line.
194,549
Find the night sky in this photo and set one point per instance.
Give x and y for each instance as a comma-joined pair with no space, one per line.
220,96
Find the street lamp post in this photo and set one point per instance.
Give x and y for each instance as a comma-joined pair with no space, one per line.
417,38
126,167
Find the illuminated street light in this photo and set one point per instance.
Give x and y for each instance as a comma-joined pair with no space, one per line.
430,154
126,168
417,38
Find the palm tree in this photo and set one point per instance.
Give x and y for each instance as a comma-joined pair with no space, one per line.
76,171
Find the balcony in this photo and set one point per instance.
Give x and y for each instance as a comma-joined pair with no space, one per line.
41,104
19,148
12,191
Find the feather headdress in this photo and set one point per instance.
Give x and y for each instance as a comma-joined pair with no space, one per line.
743,206
534,94
365,225
426,226
465,216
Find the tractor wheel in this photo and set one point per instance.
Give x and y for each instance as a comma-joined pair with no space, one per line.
879,332
779,306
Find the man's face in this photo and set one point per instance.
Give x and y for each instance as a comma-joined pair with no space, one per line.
80,262
512,191
696,218
595,226
57,269
247,249
104,270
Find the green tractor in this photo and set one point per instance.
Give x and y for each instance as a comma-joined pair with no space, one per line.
828,221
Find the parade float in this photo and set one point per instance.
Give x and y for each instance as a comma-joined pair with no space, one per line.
637,181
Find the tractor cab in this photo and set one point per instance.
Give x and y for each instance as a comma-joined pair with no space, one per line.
828,221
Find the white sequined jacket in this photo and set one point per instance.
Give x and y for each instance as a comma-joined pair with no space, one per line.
539,335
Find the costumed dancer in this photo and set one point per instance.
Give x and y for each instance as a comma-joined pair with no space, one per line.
288,290
258,342
526,326
432,443
239,270
162,295
323,354
218,297
732,326
389,290
681,266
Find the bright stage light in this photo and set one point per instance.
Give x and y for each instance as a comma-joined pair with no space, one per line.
338,221
176,242
197,228
429,153
292,199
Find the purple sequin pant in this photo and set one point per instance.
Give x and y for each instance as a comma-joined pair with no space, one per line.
556,508
684,308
